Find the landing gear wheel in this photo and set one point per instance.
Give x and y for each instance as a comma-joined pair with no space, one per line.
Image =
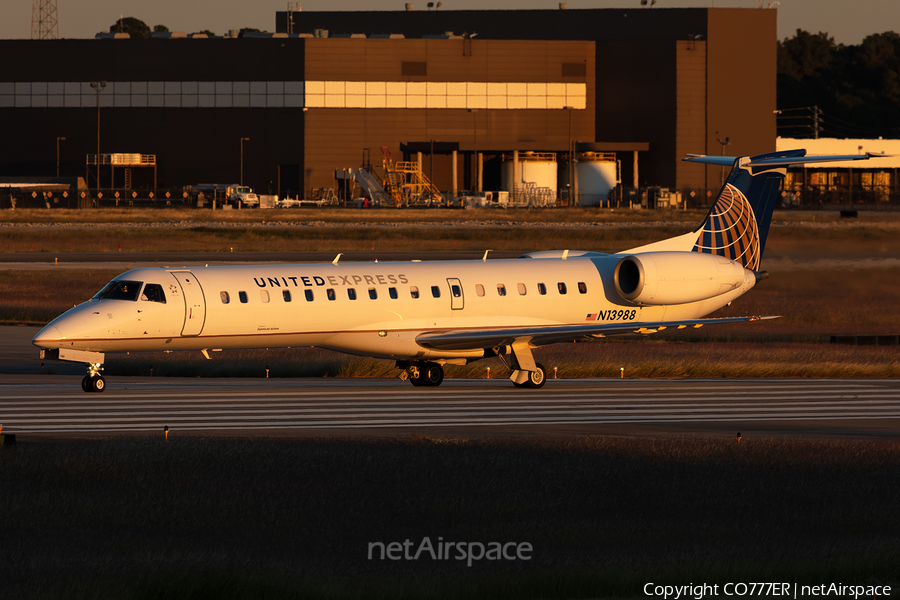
417,381
537,378
97,384
432,374
85,383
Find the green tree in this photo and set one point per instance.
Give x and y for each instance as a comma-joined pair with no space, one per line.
248,30
206,31
160,29
136,28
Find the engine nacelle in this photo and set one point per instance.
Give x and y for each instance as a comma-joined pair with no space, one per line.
654,278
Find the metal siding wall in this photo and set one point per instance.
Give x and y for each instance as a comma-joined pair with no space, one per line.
192,145
335,138
690,137
636,102
741,69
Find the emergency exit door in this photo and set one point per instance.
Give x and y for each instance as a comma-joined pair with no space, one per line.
457,301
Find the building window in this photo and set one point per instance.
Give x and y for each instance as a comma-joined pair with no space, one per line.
542,289
582,287
561,287
286,294
264,296
243,297
309,295
522,290
225,297
413,291
392,292
479,289
501,289
574,70
414,68
436,291
373,294
351,293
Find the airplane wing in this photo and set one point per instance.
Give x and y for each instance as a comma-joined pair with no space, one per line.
466,339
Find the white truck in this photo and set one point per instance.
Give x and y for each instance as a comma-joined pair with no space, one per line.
243,194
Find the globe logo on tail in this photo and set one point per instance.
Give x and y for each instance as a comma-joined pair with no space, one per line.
730,229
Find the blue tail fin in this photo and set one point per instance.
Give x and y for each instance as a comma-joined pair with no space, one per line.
737,225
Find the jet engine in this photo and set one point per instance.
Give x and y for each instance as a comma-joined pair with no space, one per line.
654,278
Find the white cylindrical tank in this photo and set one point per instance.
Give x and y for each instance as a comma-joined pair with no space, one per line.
536,178
597,174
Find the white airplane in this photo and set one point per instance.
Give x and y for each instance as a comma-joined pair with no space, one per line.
425,315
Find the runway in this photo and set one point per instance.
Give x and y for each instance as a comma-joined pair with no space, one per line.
818,408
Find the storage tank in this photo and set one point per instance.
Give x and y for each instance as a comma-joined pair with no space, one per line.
597,175
536,180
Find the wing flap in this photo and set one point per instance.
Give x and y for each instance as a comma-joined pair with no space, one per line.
466,339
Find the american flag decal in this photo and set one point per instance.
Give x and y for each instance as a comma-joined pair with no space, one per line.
591,317
730,230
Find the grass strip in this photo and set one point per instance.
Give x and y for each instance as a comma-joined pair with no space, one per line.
199,517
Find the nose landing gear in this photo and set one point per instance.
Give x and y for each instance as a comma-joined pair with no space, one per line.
93,381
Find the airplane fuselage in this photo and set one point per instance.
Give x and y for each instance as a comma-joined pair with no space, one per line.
371,309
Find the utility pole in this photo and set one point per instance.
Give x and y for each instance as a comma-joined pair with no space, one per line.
243,139
722,174
99,86
57,154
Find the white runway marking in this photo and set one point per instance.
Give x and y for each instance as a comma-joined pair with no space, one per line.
384,404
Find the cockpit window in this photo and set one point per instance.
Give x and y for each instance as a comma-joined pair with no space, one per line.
153,292
120,290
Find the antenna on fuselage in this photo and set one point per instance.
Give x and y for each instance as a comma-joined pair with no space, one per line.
337,258
484,258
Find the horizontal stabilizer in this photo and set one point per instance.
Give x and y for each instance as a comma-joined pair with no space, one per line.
767,160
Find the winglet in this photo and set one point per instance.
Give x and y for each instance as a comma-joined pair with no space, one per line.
337,258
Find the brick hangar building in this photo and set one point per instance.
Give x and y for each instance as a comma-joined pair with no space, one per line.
330,89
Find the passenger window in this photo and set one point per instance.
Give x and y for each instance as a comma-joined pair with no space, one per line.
522,290
501,289
309,295
392,292
479,289
330,293
454,289
225,297
373,294
351,293
243,297
264,296
414,291
435,291
561,287
286,294
582,287
542,289
153,292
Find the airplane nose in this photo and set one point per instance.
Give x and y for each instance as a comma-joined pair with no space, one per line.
48,337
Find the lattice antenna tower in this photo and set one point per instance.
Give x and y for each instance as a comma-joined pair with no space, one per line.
44,23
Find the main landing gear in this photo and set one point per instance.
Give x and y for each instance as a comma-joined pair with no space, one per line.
423,374
535,379
93,381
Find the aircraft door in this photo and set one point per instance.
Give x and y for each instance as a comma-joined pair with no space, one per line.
194,303
457,300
